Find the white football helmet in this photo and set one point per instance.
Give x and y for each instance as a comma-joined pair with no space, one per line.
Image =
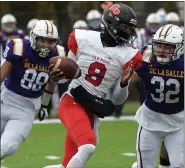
31,23
172,18
172,36
80,24
8,23
153,22
94,20
93,14
162,15
161,12
44,29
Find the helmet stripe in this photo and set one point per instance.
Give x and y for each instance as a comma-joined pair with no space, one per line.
46,26
51,27
164,31
50,30
167,31
161,31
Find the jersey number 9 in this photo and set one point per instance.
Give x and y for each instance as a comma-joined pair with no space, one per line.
96,73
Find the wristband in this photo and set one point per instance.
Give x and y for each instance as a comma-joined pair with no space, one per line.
46,97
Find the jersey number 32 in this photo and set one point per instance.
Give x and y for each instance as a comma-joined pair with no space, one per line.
170,96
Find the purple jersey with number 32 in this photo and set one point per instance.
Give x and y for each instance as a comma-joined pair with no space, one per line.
164,84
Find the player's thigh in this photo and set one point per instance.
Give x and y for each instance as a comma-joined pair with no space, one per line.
4,116
147,146
16,128
174,143
19,120
15,133
3,124
77,121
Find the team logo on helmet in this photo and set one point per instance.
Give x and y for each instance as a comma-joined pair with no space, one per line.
115,9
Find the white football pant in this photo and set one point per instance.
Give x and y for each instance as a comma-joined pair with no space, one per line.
149,142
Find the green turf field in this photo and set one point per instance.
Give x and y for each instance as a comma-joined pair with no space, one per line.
116,137
130,107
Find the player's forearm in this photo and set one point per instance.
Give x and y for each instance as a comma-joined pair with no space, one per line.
50,87
46,97
5,69
120,94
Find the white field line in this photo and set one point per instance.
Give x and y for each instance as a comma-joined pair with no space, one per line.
55,121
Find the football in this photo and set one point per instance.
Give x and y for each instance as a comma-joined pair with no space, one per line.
69,67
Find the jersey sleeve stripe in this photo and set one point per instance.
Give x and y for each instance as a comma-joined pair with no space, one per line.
72,43
147,54
14,46
18,47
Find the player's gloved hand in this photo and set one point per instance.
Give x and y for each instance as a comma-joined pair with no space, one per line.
55,76
127,73
43,113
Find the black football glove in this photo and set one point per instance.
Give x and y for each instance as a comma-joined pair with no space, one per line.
43,113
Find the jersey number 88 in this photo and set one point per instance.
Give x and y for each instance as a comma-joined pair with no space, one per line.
33,80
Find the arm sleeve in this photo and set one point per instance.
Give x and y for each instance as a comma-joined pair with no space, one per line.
72,56
8,52
137,62
117,94
73,46
60,50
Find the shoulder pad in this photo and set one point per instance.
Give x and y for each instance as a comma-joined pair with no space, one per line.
81,35
147,53
60,50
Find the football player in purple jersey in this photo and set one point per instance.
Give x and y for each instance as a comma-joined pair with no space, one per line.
25,77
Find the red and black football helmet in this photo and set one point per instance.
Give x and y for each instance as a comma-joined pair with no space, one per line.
119,20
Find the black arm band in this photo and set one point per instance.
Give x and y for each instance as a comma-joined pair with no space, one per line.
123,85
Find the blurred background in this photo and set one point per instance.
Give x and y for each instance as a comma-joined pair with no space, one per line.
70,15
66,12
45,143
